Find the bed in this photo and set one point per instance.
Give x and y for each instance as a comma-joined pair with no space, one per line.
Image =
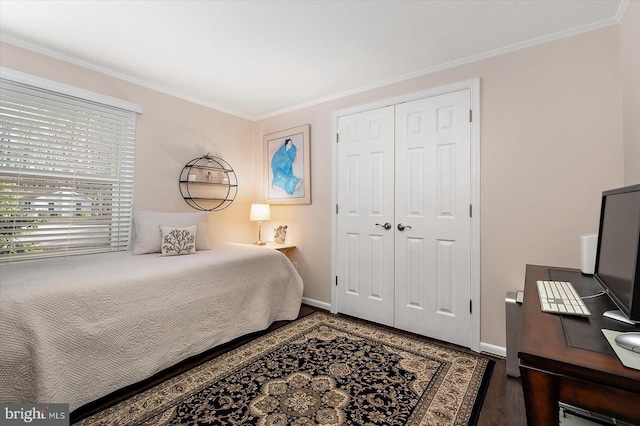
78,328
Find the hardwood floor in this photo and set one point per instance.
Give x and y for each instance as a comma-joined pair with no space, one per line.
503,404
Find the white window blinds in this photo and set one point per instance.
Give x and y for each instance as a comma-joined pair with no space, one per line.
66,173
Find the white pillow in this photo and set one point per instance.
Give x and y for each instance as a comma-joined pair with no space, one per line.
177,241
147,229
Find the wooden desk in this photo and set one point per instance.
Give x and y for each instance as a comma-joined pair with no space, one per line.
553,370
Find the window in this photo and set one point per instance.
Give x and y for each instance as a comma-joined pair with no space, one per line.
66,169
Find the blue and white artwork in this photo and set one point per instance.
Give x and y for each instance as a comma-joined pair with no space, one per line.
285,161
282,167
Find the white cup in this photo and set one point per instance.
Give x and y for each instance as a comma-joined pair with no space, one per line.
192,178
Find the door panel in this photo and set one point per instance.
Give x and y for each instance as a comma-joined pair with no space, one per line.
407,165
365,251
432,199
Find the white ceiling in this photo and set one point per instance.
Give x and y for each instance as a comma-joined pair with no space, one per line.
256,59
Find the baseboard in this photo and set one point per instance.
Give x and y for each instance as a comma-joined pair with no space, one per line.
316,303
493,349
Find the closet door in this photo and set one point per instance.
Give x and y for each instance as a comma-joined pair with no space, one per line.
433,225
365,248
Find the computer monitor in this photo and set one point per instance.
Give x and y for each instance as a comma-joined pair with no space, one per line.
617,266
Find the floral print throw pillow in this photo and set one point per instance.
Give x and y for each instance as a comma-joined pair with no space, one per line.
178,240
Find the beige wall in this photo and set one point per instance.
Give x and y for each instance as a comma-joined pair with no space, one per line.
169,133
551,142
630,60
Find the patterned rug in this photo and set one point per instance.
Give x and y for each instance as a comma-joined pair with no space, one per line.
319,370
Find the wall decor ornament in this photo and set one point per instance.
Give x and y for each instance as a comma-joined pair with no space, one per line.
208,183
287,166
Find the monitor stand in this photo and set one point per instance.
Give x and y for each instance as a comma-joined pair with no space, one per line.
619,316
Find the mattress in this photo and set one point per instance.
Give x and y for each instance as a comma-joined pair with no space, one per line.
78,328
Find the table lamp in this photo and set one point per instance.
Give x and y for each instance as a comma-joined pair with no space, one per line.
260,212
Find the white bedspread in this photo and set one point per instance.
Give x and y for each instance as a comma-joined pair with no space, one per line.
75,329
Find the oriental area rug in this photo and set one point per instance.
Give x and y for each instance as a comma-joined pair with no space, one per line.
322,369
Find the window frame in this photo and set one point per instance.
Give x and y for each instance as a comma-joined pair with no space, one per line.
103,221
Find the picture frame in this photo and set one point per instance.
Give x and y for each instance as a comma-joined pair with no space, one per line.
287,166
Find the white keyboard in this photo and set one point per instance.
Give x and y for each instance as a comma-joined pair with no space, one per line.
559,297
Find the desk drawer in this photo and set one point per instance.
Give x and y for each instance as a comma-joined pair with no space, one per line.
616,403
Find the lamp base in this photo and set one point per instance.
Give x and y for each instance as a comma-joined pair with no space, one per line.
259,242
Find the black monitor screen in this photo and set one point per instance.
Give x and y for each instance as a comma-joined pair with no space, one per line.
617,258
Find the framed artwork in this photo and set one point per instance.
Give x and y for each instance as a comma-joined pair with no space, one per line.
287,166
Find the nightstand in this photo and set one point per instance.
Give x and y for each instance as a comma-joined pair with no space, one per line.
283,248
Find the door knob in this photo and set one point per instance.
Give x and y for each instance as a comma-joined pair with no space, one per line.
401,227
386,226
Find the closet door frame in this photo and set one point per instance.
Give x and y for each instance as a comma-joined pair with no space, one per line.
474,86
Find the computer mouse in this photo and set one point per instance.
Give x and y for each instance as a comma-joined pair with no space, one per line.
630,341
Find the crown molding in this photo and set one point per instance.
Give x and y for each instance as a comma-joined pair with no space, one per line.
621,9
469,59
416,74
121,76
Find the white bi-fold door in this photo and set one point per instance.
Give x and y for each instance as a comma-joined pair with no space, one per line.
365,249
403,220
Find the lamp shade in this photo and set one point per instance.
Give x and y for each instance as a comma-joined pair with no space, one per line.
260,212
